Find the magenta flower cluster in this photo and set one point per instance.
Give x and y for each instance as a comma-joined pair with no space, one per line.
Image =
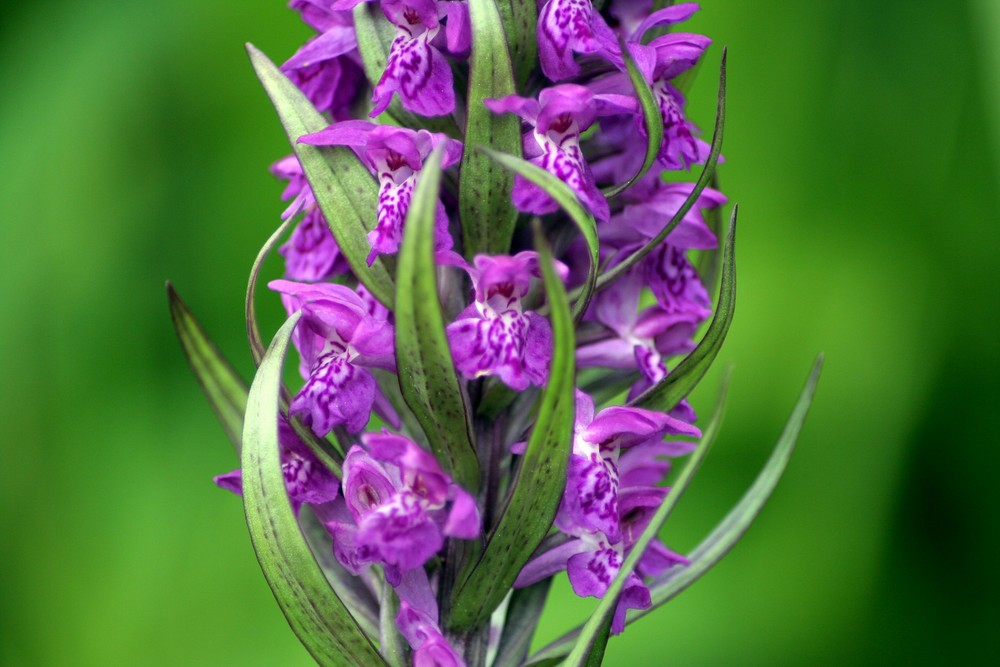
394,507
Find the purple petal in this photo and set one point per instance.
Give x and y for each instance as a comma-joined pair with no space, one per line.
337,392
665,16
463,519
311,253
231,481
401,532
592,571
420,74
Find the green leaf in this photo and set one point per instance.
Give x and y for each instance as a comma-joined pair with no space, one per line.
523,612
375,34
567,199
724,536
706,175
253,330
651,116
226,391
520,18
391,643
710,261
424,363
315,613
538,485
487,213
345,191
669,391
595,634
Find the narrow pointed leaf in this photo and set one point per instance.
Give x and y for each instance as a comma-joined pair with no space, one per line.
668,392
523,613
541,477
567,199
350,588
253,330
315,613
391,643
487,212
520,21
595,633
651,117
426,369
723,537
225,390
346,193
710,261
706,175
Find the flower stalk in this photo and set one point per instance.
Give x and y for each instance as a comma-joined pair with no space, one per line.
496,317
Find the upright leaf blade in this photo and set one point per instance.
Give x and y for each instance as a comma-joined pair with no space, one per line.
345,191
487,213
651,117
570,203
225,390
541,477
315,613
520,20
594,635
424,363
668,392
250,306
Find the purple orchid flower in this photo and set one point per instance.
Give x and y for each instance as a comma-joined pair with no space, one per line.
311,253
636,339
306,479
339,340
660,61
494,335
396,155
416,68
666,270
558,117
400,506
590,502
328,68
566,27
601,513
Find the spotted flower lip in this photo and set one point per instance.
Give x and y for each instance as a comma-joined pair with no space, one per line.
566,27
557,119
396,155
494,335
339,341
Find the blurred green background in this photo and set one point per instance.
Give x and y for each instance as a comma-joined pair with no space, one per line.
862,145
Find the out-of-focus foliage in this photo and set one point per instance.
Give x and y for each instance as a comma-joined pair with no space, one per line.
862,145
